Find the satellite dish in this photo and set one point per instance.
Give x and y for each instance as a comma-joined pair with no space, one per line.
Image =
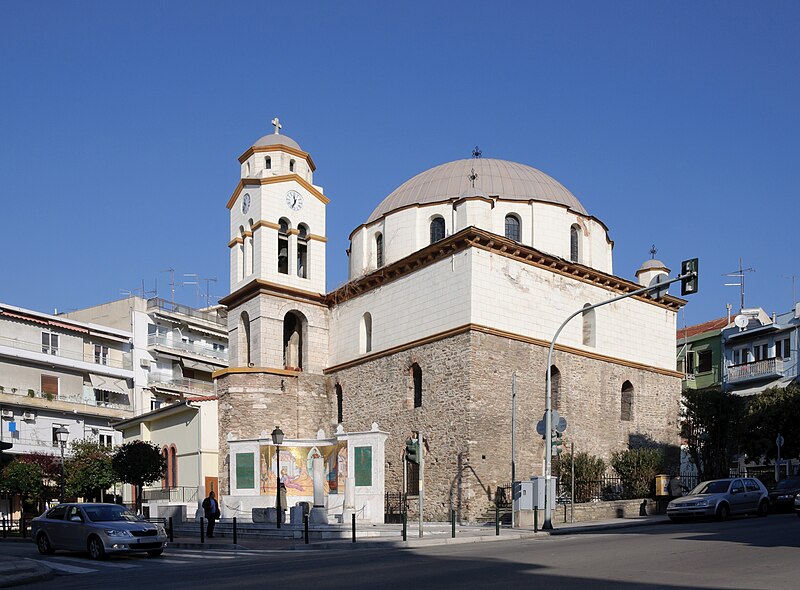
741,321
660,291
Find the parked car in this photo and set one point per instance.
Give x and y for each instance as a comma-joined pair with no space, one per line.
782,496
100,529
721,498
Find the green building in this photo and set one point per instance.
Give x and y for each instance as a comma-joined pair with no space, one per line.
700,357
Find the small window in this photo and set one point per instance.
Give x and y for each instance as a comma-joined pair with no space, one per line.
339,405
291,165
704,361
283,247
378,250
690,363
100,354
437,229
626,404
574,243
106,440
416,374
760,351
782,349
173,455
365,339
302,251
155,404
512,228
268,163
49,343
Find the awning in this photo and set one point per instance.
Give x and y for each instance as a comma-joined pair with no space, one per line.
782,384
221,333
109,384
760,330
198,366
699,347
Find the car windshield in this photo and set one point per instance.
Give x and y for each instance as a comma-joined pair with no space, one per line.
109,513
711,487
788,483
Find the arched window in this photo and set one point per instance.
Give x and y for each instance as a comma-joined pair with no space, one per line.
283,246
339,405
555,388
173,466
416,374
302,251
252,266
241,263
365,336
589,327
626,403
165,477
378,250
267,163
437,229
513,228
244,340
292,341
291,165
574,243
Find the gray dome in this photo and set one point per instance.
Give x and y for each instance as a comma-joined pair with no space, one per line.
277,139
651,264
496,178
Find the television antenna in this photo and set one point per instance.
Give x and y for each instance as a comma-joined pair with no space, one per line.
739,275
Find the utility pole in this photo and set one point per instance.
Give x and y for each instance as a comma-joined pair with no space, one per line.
513,427
421,442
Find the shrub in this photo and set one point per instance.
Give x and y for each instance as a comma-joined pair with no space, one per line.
637,468
31,393
589,471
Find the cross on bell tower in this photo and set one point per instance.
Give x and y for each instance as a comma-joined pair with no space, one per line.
277,124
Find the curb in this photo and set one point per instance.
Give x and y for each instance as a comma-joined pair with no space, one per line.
30,572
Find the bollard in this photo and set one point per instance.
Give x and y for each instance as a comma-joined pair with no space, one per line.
202,530
497,520
171,529
4,526
235,535
453,523
354,528
405,521
22,527
305,528
535,519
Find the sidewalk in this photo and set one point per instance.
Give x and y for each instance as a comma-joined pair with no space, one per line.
14,571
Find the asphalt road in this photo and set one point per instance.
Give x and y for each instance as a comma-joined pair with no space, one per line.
747,553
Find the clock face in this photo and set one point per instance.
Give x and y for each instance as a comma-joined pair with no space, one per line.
246,204
294,200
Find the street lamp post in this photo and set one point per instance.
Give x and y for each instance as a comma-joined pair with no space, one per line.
277,440
62,434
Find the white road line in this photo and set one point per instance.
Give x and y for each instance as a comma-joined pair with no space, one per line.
99,564
63,567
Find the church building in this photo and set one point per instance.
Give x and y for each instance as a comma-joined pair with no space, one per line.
457,282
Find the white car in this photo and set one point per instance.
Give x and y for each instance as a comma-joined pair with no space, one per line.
100,529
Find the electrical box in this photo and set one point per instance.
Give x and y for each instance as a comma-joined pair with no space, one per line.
538,483
523,495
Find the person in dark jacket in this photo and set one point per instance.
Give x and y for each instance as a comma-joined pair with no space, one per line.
212,513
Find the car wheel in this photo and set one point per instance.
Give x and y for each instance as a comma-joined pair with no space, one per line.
43,544
96,549
723,512
155,552
763,508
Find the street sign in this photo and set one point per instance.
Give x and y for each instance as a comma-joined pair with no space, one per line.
779,441
540,427
561,426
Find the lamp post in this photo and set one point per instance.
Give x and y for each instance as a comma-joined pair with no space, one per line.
277,440
62,434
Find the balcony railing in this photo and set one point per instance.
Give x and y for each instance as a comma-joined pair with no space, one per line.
175,494
58,352
192,347
756,370
183,384
61,398
169,306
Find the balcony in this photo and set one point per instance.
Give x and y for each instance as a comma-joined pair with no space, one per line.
21,397
59,356
182,385
205,350
764,369
212,317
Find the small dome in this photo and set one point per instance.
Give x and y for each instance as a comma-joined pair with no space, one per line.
497,178
277,139
652,264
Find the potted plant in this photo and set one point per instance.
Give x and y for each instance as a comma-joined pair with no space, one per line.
49,396
31,393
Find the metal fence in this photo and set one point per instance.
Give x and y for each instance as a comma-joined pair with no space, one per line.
174,494
394,507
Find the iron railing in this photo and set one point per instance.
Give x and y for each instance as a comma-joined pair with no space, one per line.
193,347
755,370
394,507
180,383
213,317
173,494
57,352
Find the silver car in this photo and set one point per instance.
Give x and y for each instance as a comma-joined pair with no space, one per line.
100,529
721,498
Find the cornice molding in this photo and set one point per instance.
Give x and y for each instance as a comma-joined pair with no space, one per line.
267,370
274,180
259,286
279,147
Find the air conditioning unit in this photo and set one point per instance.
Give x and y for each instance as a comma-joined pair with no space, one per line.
8,413
29,416
144,363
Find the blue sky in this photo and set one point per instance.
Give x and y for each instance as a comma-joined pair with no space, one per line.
676,123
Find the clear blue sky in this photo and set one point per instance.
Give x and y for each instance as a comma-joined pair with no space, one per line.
676,123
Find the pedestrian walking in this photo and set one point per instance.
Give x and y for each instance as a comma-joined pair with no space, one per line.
212,513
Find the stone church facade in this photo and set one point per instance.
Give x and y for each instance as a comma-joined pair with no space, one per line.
458,281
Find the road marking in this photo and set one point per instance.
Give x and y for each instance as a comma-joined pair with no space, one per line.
63,567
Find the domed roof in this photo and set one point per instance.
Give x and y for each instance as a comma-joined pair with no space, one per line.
496,178
277,139
651,264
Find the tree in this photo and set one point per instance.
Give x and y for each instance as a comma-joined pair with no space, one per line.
774,411
711,425
589,471
23,478
138,463
637,468
89,469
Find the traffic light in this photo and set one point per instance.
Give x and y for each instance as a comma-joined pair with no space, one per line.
689,284
412,450
557,442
